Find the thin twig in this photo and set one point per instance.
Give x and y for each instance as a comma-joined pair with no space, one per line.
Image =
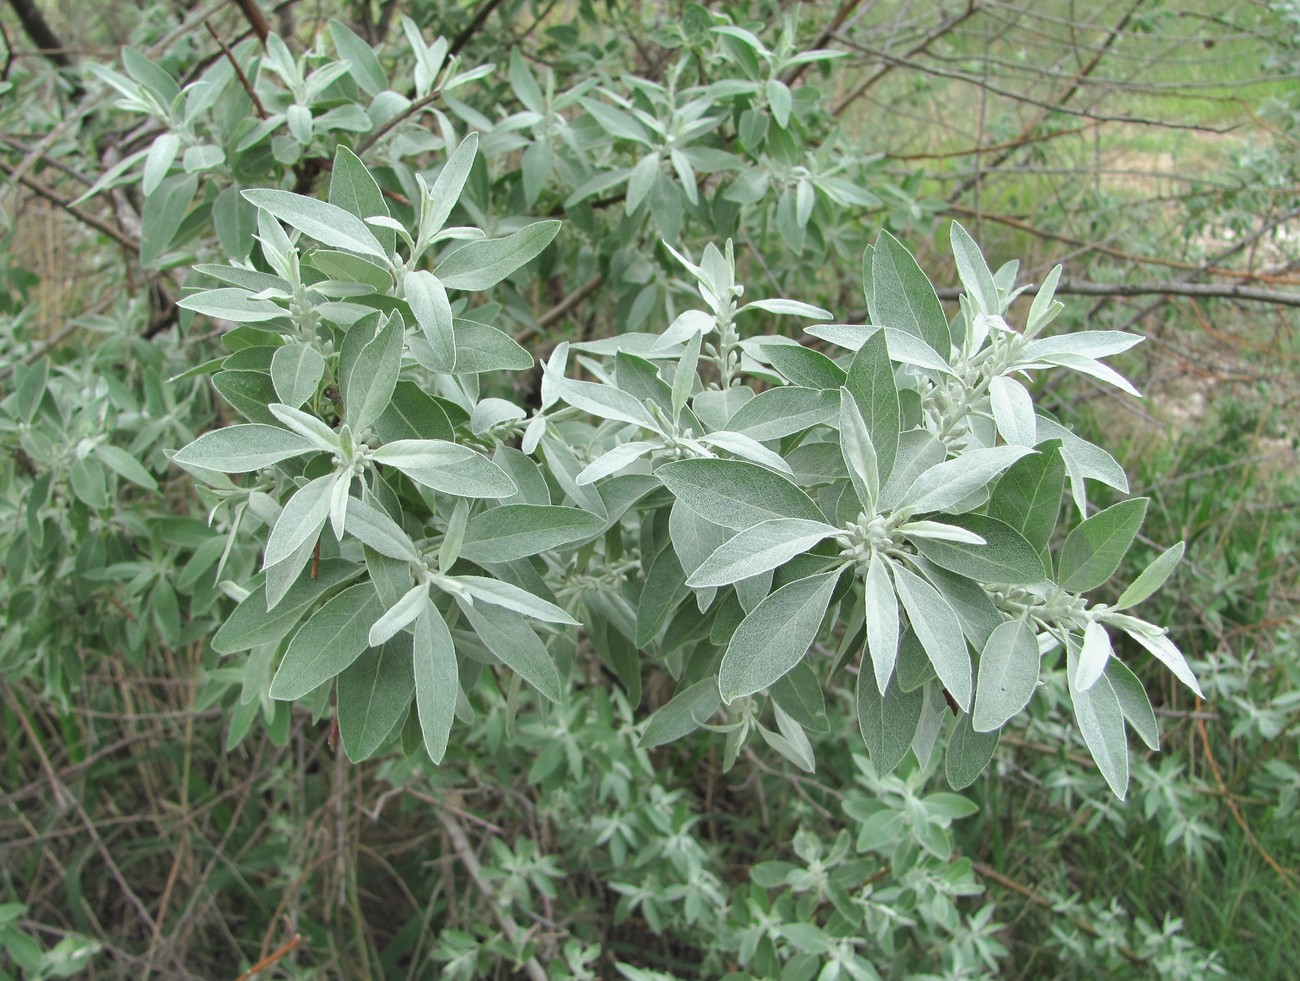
239,70
58,199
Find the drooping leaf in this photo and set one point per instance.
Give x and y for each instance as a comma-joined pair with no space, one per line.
969,753
939,631
515,531
331,639
373,692
887,720
1008,675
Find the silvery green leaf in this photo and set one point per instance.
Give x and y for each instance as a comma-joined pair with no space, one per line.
927,730
640,181
428,302
780,412
241,449
446,467
362,63
1094,549
792,308
282,576
775,636
694,538
1028,495
974,272
882,623
296,371
401,615
1133,702
969,752
1005,556
859,453
603,401
1152,578
124,465
1084,343
1013,411
252,624
339,504
663,591
1083,460
747,448
331,639
1094,655
1094,369
1158,644
369,383
229,303
1101,723
734,493
1044,308
793,742
506,635
373,693
372,527
903,347
940,532
903,297
324,222
1008,675
871,381
952,481
481,265
511,597
481,348
516,531
302,519
307,426
685,712
614,460
685,376
436,680
757,549
679,331
919,451
161,156
800,365
939,631
888,720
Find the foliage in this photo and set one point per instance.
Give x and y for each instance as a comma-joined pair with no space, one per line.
688,518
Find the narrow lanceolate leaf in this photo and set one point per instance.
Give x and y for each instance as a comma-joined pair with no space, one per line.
324,222
685,712
251,624
871,381
882,623
904,297
939,631
969,753
481,265
446,467
1134,703
331,639
1094,549
301,520
1003,556
1158,644
888,720
373,692
734,493
229,303
240,449
428,302
759,549
780,412
372,527
446,189
515,531
1152,578
1084,343
437,680
775,636
368,385
1013,411
511,597
511,639
953,481
1028,495
1101,723
401,615
1007,677
307,426
974,272
623,455
859,453
296,371
1096,652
